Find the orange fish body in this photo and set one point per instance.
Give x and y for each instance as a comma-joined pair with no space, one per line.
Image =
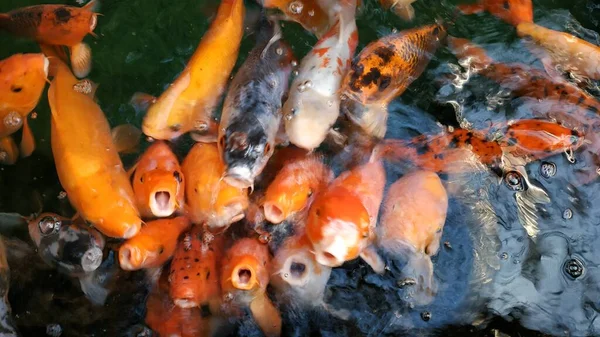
88,165
194,275
382,71
9,152
158,183
22,81
245,276
402,8
278,160
294,187
412,222
313,15
574,54
209,198
513,12
153,245
342,219
187,104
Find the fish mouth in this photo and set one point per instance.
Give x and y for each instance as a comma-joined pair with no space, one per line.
273,213
162,204
91,259
243,277
296,271
186,303
130,258
238,180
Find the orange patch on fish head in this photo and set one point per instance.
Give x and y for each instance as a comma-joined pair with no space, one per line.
22,80
284,197
511,11
338,227
229,206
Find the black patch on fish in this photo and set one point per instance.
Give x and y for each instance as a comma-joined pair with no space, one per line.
62,14
371,77
424,149
384,82
357,71
385,53
593,109
67,257
580,100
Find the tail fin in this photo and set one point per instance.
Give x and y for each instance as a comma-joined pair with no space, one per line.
420,268
468,52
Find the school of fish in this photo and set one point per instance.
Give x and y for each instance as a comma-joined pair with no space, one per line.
196,221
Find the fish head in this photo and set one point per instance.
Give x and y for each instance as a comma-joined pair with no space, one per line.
72,247
514,12
229,206
165,190
22,80
308,119
337,227
245,154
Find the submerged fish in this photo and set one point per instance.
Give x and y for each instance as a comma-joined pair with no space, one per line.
154,245
244,279
558,48
158,182
72,248
58,25
88,165
295,186
382,71
194,274
412,221
187,105
342,219
402,8
22,81
7,323
513,12
9,152
252,109
313,104
210,200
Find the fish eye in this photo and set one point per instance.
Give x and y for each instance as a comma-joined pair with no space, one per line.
177,176
16,89
49,225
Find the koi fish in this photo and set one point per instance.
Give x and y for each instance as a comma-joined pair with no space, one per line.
297,274
411,225
313,15
210,200
154,245
244,279
7,323
88,165
279,158
9,152
72,248
573,54
188,103
22,81
382,71
530,139
402,8
513,12
313,104
342,219
194,275
158,183
294,187
58,25
252,109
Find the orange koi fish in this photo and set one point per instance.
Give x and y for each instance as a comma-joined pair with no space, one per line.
88,165
295,186
244,279
531,139
9,152
513,12
57,25
194,275
566,103
296,273
573,54
210,200
187,104
158,183
382,71
313,15
402,8
342,219
278,160
22,81
412,222
154,245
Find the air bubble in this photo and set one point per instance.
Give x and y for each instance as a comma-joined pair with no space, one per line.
548,169
426,316
574,268
311,13
294,63
54,330
296,7
567,214
13,120
62,195
504,256
514,181
304,86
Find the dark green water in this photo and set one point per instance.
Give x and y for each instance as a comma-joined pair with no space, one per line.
144,44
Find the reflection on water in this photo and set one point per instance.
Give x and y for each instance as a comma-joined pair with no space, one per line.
488,268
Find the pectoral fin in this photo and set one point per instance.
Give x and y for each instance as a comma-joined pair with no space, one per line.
266,316
81,59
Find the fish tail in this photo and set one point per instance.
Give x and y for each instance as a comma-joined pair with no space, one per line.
81,59
469,52
93,290
420,268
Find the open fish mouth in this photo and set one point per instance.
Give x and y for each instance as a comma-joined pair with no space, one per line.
162,204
